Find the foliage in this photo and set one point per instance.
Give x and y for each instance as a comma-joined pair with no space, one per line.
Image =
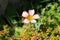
30,33
47,26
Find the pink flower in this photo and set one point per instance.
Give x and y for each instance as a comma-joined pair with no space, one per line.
29,16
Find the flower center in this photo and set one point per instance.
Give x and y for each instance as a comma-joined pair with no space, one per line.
30,17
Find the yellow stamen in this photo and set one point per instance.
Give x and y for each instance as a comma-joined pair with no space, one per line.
30,17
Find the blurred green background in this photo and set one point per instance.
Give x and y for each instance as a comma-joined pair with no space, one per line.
15,10
49,11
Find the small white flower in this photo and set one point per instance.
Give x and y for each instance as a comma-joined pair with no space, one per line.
29,16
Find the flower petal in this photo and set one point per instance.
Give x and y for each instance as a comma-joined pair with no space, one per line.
26,21
31,12
24,14
33,21
36,16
